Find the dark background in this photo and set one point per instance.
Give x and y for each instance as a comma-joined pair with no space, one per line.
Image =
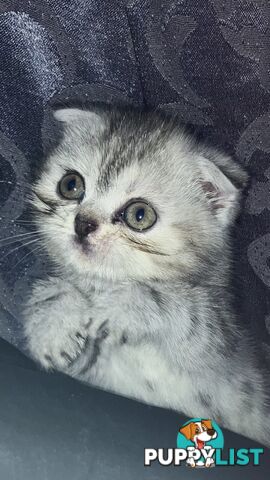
55,428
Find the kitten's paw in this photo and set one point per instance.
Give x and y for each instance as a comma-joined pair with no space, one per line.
66,355
56,324
60,352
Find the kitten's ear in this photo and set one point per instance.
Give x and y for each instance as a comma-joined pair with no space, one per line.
71,116
222,181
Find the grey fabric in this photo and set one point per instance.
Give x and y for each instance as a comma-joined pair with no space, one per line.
207,61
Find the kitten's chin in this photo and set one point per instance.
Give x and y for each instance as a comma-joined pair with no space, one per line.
93,265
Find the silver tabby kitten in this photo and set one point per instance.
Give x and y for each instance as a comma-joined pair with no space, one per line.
137,216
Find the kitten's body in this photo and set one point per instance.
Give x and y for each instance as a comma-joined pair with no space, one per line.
146,314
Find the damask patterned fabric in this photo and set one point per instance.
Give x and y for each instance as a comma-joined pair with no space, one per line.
208,61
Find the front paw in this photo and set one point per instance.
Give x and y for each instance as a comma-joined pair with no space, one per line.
63,355
58,350
56,324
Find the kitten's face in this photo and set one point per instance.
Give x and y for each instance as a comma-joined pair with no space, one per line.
127,197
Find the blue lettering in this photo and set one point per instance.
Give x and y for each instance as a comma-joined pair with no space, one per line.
242,456
218,458
256,454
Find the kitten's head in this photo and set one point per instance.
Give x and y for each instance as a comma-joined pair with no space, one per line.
128,195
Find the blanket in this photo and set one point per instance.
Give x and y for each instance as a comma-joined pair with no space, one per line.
206,61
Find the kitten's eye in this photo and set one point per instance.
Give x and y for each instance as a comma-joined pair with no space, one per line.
71,186
139,216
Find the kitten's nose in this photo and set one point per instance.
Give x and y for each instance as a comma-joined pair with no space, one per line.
83,226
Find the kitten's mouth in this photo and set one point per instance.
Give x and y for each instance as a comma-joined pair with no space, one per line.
91,246
83,245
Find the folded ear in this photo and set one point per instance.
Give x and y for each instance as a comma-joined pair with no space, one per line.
76,116
186,431
207,423
222,181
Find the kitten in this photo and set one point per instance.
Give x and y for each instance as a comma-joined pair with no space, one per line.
137,216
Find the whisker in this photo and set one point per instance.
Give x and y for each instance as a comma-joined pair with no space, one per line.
18,238
27,236
15,222
19,247
21,235
24,222
38,248
9,182
12,242
146,247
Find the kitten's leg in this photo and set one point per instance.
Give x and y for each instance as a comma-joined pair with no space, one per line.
140,370
239,402
56,322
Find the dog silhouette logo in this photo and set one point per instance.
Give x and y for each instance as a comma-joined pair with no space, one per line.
200,437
